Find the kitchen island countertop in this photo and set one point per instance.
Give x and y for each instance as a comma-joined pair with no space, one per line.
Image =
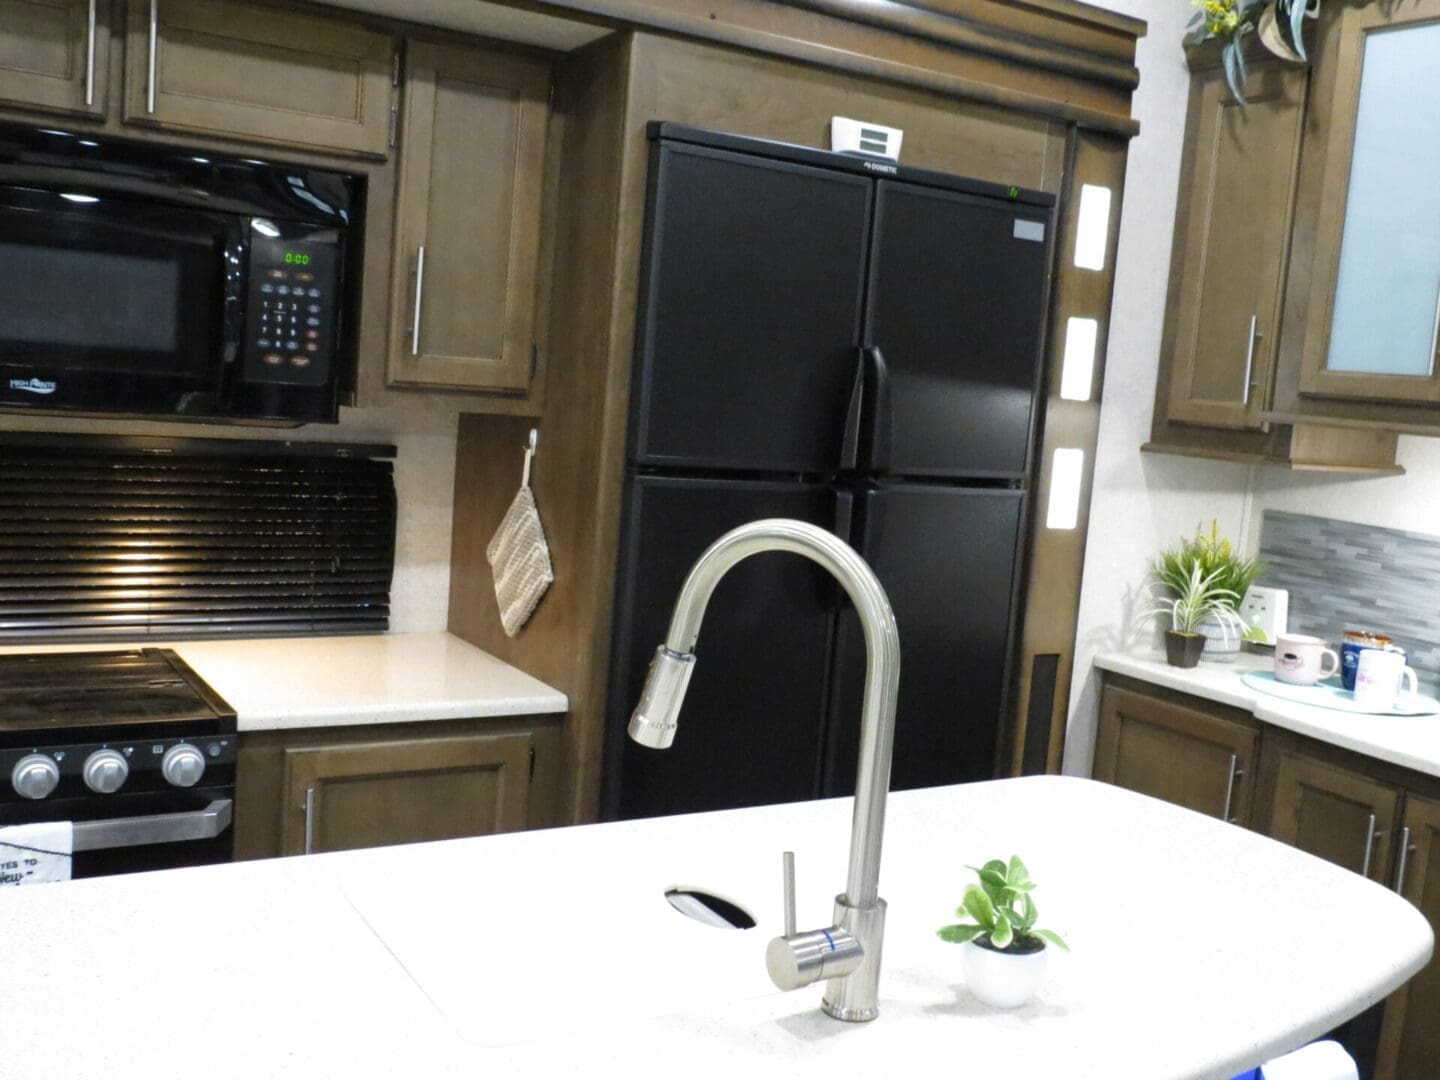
1200,950
1412,742
287,683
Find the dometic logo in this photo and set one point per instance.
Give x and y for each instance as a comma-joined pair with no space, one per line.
34,386
876,167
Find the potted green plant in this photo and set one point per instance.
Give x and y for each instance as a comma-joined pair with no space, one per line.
1278,23
1004,951
1201,584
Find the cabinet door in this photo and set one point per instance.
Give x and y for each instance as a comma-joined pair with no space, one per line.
264,74
1374,311
1188,756
467,219
1237,197
1329,811
1410,1040
405,791
54,54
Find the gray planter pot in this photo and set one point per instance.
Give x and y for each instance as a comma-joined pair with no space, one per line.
1222,644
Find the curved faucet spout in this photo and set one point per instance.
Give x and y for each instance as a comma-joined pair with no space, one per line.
656,717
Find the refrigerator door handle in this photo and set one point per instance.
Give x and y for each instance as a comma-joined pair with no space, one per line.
875,416
844,515
850,448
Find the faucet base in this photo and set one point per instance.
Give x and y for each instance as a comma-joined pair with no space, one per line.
855,997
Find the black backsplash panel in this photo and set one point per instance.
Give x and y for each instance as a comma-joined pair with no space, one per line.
130,538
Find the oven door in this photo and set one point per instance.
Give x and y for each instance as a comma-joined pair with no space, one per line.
114,305
125,834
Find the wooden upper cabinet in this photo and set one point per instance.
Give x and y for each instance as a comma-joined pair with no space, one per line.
1232,236
1410,1041
1343,816
54,54
357,795
467,219
259,73
1197,757
1373,316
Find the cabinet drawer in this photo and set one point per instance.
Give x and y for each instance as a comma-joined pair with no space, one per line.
258,73
54,54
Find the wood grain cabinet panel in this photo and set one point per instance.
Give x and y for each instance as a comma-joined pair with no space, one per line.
1410,1040
54,54
1193,758
1341,815
358,795
1232,238
259,73
467,219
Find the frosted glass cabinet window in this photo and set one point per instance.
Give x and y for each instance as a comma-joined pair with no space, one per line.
1387,296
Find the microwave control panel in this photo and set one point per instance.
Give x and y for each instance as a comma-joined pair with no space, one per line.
290,309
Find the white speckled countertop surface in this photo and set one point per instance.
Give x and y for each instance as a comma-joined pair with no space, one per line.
554,954
283,683
1410,741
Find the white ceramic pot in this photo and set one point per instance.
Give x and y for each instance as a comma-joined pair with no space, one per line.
1002,980
1222,643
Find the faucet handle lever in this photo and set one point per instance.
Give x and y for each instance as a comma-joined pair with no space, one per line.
788,872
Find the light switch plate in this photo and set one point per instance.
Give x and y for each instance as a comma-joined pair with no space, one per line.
1266,611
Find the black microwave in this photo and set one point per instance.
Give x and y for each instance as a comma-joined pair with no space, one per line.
158,281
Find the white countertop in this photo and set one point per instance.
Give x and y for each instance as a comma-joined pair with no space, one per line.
1410,741
1199,950
283,683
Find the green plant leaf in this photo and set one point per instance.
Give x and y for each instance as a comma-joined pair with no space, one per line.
1052,937
1018,875
1025,918
994,885
960,933
979,907
997,865
1002,934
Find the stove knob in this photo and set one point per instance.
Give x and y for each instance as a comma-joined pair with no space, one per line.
35,776
106,771
183,765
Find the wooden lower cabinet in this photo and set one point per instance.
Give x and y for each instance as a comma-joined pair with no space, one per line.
317,790
1159,744
1410,1039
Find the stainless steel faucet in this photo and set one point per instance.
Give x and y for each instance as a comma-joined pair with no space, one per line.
846,954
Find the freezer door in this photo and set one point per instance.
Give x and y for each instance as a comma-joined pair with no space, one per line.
750,312
947,559
955,315
750,731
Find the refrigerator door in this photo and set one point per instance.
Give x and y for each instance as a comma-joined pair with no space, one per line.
947,558
954,321
750,731
749,314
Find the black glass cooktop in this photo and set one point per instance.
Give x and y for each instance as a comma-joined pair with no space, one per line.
48,692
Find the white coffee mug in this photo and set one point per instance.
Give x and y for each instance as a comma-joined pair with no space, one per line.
1300,659
1379,677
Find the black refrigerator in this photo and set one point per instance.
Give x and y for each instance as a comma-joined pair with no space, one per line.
857,345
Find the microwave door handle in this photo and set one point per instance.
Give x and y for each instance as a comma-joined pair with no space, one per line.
111,833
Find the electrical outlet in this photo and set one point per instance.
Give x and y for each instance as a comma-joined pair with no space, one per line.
1266,611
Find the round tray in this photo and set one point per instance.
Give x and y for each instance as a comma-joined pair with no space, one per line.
1331,695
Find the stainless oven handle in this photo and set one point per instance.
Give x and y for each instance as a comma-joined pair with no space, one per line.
90,58
155,829
419,292
309,820
154,35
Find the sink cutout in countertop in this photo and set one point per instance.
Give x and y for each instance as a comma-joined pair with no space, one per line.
709,909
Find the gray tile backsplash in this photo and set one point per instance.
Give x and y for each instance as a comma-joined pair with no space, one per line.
1342,575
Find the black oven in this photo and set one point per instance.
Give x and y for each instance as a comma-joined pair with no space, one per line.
158,281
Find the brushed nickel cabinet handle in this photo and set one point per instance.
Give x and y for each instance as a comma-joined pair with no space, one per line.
1404,859
90,58
1369,847
154,42
419,292
309,820
1230,787
1249,360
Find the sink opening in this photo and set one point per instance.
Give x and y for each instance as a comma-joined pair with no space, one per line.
705,907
